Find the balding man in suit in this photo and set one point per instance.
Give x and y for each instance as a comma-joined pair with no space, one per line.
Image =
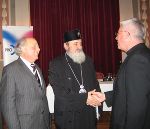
23,99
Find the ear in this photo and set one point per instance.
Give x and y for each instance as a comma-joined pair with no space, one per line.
66,46
23,49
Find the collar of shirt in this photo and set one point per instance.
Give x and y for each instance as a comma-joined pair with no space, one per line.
27,63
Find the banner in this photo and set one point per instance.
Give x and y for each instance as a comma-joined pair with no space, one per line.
10,35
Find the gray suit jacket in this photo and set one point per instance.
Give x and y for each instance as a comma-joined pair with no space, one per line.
23,102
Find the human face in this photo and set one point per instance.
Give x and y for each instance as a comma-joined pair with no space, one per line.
73,46
122,38
30,50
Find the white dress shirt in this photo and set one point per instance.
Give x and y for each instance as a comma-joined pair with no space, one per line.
28,64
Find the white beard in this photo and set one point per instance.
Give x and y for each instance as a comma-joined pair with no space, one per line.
77,57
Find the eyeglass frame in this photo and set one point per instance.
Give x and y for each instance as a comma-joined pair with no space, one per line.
116,34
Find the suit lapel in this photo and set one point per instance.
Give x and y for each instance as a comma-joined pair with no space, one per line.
27,70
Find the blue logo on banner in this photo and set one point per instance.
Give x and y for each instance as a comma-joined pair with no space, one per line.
12,40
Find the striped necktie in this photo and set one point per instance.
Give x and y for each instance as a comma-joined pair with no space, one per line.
35,73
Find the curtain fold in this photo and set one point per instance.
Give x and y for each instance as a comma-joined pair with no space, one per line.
98,21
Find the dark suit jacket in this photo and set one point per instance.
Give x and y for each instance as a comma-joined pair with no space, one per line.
23,103
131,97
70,109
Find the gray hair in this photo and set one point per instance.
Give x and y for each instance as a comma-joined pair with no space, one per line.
19,45
139,29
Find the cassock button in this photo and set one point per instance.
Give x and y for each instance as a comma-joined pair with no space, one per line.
68,91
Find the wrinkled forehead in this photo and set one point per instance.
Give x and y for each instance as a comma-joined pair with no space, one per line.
31,42
75,41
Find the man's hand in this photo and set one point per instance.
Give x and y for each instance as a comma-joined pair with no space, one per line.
92,100
100,96
95,98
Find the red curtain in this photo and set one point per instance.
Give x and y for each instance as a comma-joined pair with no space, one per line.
98,21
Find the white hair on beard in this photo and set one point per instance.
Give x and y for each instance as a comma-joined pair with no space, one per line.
77,57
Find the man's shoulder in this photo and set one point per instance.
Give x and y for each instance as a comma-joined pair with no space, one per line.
12,64
58,59
11,67
89,59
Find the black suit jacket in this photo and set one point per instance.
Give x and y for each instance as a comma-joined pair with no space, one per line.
130,99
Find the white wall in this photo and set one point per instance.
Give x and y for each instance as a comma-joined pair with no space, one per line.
126,9
22,12
126,12
19,12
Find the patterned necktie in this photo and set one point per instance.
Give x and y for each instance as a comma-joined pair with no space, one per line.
35,73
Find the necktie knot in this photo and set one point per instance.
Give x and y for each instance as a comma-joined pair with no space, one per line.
34,67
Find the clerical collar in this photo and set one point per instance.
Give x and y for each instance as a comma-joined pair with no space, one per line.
135,48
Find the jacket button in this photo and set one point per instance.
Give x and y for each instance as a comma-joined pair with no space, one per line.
42,112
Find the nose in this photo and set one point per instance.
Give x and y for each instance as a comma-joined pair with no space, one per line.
116,34
116,38
79,46
38,49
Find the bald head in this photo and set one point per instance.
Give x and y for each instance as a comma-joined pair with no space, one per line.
28,49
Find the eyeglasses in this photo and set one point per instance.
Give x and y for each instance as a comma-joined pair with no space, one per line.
116,34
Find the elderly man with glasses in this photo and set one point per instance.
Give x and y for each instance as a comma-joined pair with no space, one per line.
130,99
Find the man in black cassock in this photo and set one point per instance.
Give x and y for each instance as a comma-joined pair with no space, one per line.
72,77
130,99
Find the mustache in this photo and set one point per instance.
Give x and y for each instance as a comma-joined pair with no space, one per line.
79,50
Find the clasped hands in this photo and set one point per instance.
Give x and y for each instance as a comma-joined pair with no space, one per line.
95,98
